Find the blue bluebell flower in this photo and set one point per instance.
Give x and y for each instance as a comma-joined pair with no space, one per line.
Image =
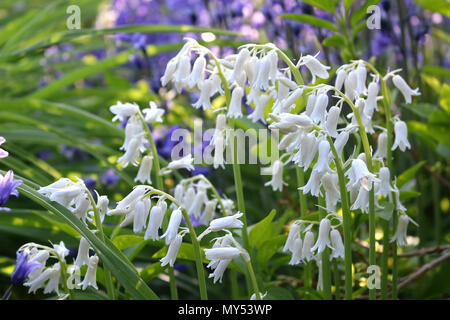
7,188
23,268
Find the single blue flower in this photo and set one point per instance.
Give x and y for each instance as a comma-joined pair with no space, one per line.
7,188
110,178
23,268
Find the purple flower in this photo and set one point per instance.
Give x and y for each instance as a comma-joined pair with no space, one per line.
23,268
8,187
3,153
74,153
44,154
110,178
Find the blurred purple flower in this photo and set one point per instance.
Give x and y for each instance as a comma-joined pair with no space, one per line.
110,178
7,188
74,153
44,154
23,268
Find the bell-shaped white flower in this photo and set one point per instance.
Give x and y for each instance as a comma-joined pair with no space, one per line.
209,211
362,201
154,223
310,104
178,193
401,136
371,101
381,152
332,121
359,174
384,187
308,243
65,196
340,142
102,205
125,205
316,68
294,233
196,206
330,185
189,197
183,163
206,91
251,69
221,253
145,168
287,122
320,107
153,114
351,85
406,91
61,250
308,150
133,152
241,60
90,279
54,279
296,252
132,129
235,107
169,73
220,270
82,204
313,184
139,216
361,75
401,233
340,78
174,224
323,159
262,79
172,252
123,110
182,73
260,108
219,148
83,253
228,222
338,250
277,176
198,72
323,240
289,102
39,281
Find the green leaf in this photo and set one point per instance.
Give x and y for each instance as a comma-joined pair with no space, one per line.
327,5
406,195
278,293
334,41
306,18
386,210
261,231
126,241
362,11
108,253
408,174
423,110
269,248
441,6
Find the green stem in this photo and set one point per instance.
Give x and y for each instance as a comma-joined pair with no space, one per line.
252,277
337,284
326,271
98,223
234,285
347,225
173,285
194,240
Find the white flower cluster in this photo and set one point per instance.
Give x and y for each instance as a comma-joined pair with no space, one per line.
49,277
300,242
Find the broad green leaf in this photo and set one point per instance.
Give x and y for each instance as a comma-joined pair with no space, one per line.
406,195
262,230
269,248
441,6
386,210
309,19
278,293
125,241
408,174
107,252
334,41
327,5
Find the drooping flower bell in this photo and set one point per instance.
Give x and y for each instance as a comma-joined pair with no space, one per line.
24,266
228,222
198,72
323,159
338,250
320,107
174,224
235,107
381,152
145,169
153,114
172,252
316,68
323,239
277,176
183,163
155,221
296,252
359,174
401,233
332,121
260,107
294,233
123,110
384,187
91,274
83,253
401,136
406,91
308,243
221,253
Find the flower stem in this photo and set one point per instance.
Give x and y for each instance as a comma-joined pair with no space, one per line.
252,277
337,284
347,221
